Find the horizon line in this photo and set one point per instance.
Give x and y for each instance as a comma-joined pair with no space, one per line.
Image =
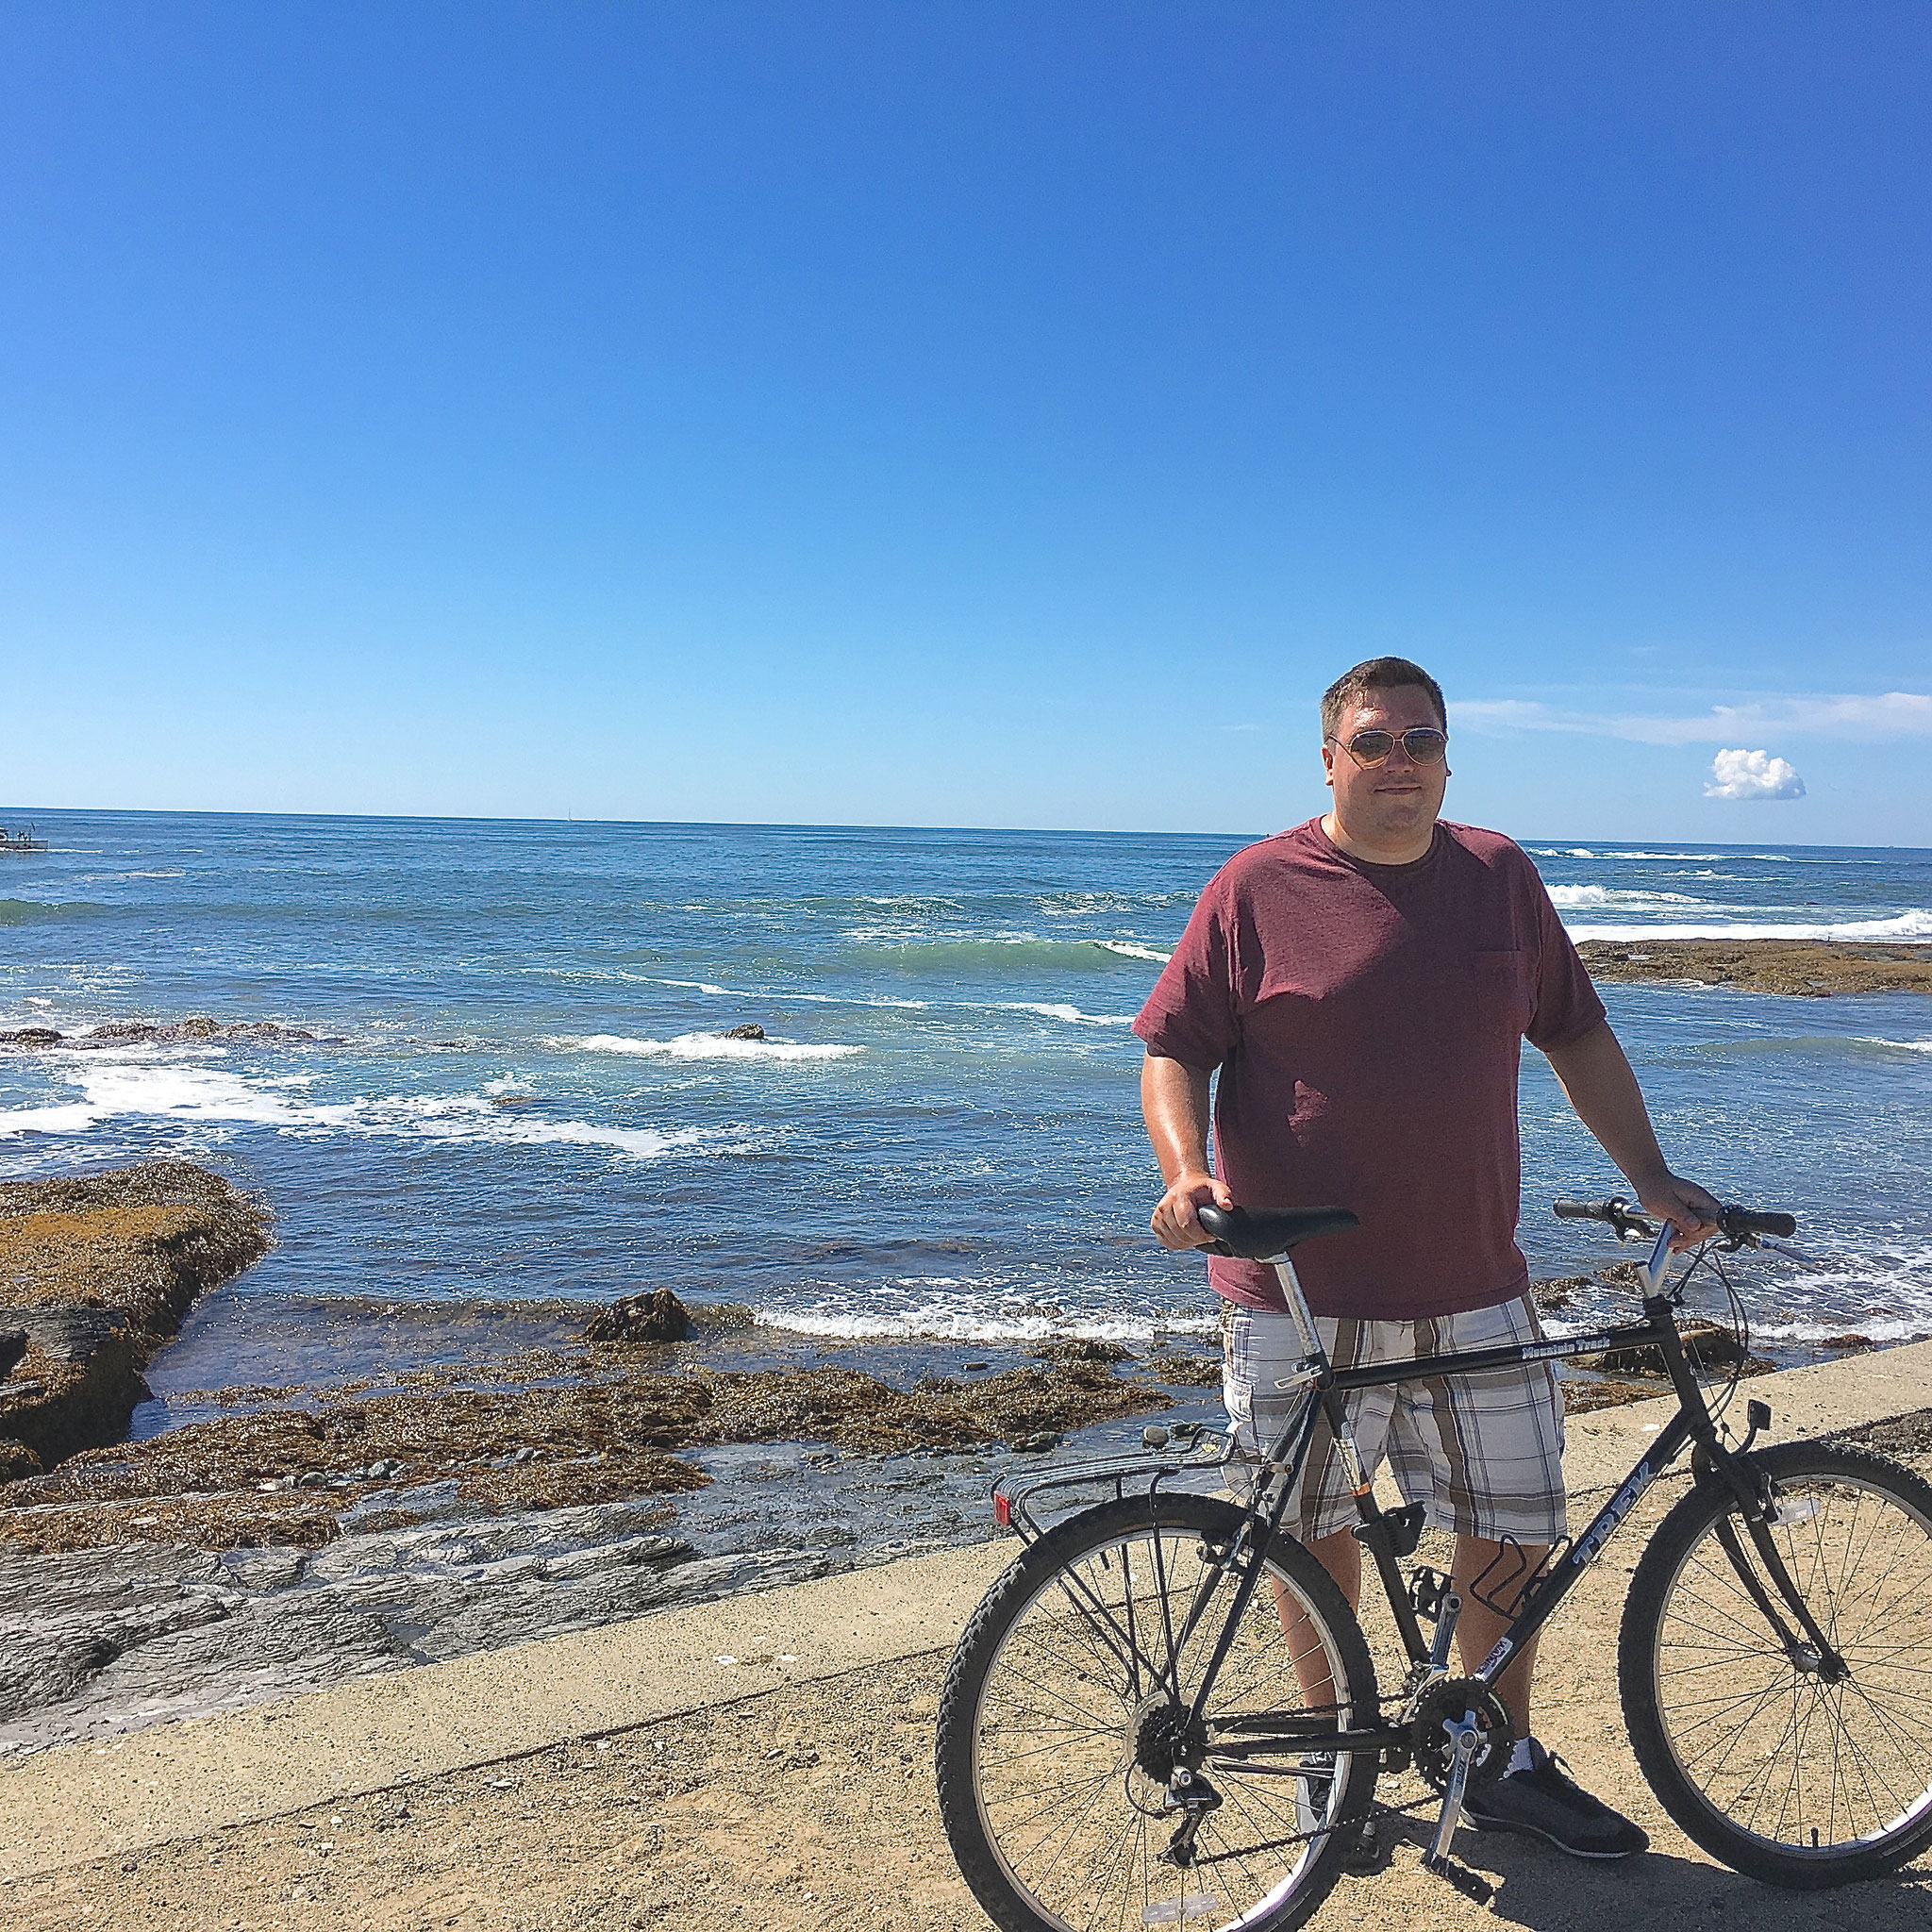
24,812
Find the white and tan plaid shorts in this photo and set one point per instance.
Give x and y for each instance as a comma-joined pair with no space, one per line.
1483,1453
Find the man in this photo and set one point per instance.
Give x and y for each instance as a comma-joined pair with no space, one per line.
1363,983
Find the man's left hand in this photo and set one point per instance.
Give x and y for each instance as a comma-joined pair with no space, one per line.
1687,1207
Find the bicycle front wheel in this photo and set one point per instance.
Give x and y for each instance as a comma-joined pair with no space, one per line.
1764,1760
1070,1705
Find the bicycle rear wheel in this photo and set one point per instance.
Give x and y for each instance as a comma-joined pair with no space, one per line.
1067,1703
1782,1775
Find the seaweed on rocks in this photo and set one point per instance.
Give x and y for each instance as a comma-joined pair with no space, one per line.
99,1271
1557,1292
656,1317
612,1429
1189,1371
1811,969
193,1030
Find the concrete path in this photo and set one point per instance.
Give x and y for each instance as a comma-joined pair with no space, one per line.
178,1781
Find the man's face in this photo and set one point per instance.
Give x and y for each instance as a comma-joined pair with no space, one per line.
1394,801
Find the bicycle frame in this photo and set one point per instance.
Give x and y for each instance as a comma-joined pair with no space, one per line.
1543,1590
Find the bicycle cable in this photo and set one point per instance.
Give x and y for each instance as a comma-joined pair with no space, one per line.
1708,1256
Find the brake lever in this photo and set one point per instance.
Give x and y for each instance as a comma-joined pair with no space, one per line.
1623,1224
1802,1259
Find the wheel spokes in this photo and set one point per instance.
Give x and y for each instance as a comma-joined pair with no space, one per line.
1772,1746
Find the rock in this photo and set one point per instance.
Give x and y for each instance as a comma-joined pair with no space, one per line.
1848,1344
196,1028
656,1317
1187,1371
17,1460
1075,1350
752,1031
1558,1293
13,1346
1705,1342
264,1569
99,1271
67,1335
1806,968
75,1399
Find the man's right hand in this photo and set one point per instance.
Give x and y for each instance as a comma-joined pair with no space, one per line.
1173,1222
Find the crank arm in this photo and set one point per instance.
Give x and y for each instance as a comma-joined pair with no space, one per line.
1465,1739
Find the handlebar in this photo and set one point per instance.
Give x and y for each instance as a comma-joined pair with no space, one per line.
1740,1227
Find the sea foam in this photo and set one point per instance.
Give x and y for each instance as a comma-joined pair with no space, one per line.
1562,896
205,1096
702,1046
1911,926
1053,1009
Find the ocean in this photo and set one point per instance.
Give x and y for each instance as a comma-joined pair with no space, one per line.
523,1090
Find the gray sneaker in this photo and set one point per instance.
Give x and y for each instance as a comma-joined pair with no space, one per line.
1312,1790
1312,1785
1543,1802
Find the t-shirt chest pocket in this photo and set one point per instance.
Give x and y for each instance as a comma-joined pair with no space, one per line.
1502,990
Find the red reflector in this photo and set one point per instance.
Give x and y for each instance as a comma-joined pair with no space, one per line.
1003,1511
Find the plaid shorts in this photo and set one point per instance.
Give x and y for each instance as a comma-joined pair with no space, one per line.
1484,1454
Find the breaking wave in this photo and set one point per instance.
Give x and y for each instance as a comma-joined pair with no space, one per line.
211,1096
941,1310
702,1046
1561,896
1914,925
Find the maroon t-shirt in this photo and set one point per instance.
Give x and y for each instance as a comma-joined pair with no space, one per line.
1367,1021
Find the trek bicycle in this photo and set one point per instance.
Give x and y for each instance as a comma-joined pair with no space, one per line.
1127,1738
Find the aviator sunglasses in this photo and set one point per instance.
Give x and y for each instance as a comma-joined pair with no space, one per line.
1423,743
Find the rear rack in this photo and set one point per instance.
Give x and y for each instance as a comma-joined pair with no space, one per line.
1014,1496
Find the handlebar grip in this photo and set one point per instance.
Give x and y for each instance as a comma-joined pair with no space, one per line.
1736,1221
1580,1210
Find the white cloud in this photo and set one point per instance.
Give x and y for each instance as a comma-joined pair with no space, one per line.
1815,714
1752,774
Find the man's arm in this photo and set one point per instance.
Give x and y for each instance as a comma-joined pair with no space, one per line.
1598,1083
1173,1098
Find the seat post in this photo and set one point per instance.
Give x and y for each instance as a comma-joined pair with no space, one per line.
1298,1311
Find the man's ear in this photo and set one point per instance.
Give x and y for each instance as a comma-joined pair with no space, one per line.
1327,766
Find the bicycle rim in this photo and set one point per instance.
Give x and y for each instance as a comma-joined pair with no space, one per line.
1075,1825
1798,1778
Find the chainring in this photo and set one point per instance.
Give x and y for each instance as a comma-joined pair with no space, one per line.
1445,1703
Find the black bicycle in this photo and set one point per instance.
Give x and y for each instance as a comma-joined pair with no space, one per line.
1134,1731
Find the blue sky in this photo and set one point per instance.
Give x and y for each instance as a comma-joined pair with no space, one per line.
965,414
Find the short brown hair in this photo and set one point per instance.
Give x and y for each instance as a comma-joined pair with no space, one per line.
1377,673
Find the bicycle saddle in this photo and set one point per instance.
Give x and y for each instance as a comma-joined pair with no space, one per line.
1255,1234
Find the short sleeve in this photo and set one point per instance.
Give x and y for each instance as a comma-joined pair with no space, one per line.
1567,1004
1192,1015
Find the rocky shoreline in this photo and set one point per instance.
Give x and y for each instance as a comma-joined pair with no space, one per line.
437,1481
96,1275
1809,969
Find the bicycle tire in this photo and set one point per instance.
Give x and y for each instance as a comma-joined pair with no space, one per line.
1785,1778
1055,1825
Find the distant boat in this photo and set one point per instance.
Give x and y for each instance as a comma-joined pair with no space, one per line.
21,842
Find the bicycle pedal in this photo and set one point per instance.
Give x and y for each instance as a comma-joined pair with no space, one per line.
1472,1885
